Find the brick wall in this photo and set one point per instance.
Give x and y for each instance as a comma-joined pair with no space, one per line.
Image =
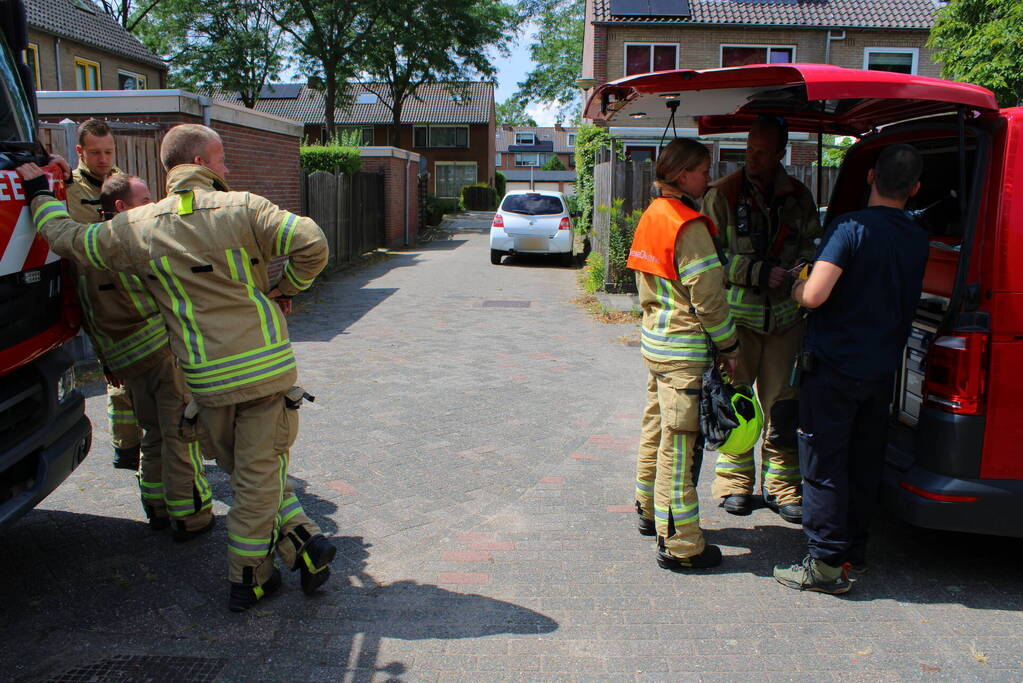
401,197
263,162
700,47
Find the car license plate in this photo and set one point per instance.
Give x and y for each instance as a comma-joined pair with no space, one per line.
531,243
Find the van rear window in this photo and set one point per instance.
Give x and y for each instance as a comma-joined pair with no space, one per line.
532,204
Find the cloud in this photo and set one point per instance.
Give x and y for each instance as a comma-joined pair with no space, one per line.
545,113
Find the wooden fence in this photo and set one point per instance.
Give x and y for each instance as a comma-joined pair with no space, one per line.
349,209
137,148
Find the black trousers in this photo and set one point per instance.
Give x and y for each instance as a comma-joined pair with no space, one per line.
843,424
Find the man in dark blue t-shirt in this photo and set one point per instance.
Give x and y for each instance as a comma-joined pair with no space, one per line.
862,293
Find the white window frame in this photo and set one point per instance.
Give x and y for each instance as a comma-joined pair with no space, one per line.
650,62
539,159
475,174
915,51
722,46
135,75
571,139
531,135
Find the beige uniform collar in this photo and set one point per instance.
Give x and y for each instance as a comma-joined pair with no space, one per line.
194,177
88,175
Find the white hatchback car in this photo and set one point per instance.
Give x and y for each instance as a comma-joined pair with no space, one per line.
532,222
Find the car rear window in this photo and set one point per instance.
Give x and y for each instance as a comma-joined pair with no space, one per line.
532,204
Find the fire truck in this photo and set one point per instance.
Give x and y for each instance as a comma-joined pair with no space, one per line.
44,433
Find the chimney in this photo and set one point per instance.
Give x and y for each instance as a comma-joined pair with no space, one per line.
557,125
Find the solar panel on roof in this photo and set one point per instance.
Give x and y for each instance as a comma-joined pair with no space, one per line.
650,8
280,91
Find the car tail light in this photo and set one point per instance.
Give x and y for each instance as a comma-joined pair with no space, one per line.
956,366
565,224
940,497
498,221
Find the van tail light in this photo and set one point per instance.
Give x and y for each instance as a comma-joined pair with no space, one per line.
498,221
565,224
956,368
940,497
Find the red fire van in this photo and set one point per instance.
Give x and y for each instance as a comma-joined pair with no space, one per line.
955,448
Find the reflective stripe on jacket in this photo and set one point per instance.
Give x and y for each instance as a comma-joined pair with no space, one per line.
202,254
680,313
790,210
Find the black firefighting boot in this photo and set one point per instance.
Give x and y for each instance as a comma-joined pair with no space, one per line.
126,458
313,562
710,557
157,521
244,595
790,512
646,526
183,535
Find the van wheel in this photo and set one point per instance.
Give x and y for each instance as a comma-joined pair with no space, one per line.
495,256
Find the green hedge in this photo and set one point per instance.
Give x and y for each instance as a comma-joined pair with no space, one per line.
330,158
479,197
436,208
500,184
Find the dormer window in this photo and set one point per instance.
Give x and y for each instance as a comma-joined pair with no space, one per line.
525,138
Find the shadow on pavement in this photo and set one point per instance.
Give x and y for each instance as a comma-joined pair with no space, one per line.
907,564
408,610
540,261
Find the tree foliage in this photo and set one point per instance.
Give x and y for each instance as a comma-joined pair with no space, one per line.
588,140
129,13
557,53
330,38
981,42
231,45
512,112
553,164
434,41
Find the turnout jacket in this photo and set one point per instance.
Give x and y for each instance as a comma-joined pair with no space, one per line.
681,288
778,230
83,194
202,254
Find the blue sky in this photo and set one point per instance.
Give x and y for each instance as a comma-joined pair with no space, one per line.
513,69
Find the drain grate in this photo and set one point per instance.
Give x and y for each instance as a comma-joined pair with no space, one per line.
505,303
146,669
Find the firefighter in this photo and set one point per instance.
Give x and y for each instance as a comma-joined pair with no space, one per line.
129,335
768,223
202,254
96,151
685,317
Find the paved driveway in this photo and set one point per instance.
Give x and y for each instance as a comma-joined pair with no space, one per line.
471,450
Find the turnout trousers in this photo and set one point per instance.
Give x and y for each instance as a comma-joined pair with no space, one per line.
171,474
843,427
768,360
125,432
251,442
670,453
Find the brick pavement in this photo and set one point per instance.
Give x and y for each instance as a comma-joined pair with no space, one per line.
474,462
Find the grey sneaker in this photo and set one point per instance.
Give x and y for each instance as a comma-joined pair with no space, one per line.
813,575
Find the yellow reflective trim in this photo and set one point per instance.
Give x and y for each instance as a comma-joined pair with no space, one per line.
185,198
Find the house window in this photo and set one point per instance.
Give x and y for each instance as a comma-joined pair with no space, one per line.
452,176
571,139
641,58
733,154
525,138
741,55
32,59
531,158
126,80
497,160
86,74
440,136
901,60
363,137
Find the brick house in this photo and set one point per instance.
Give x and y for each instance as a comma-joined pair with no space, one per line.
453,134
74,45
524,147
626,37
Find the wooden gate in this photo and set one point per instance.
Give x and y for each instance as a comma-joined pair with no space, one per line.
349,209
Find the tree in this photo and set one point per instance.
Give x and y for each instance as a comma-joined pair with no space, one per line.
553,164
230,45
434,41
557,53
128,13
330,37
512,112
981,42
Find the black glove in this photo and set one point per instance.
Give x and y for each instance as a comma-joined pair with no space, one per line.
36,186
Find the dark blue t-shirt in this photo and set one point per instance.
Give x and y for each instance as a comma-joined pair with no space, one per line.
862,328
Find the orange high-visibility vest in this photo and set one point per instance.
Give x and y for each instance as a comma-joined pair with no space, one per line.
653,246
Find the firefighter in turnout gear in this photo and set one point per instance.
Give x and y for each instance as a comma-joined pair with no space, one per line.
130,338
202,254
686,322
768,224
95,150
